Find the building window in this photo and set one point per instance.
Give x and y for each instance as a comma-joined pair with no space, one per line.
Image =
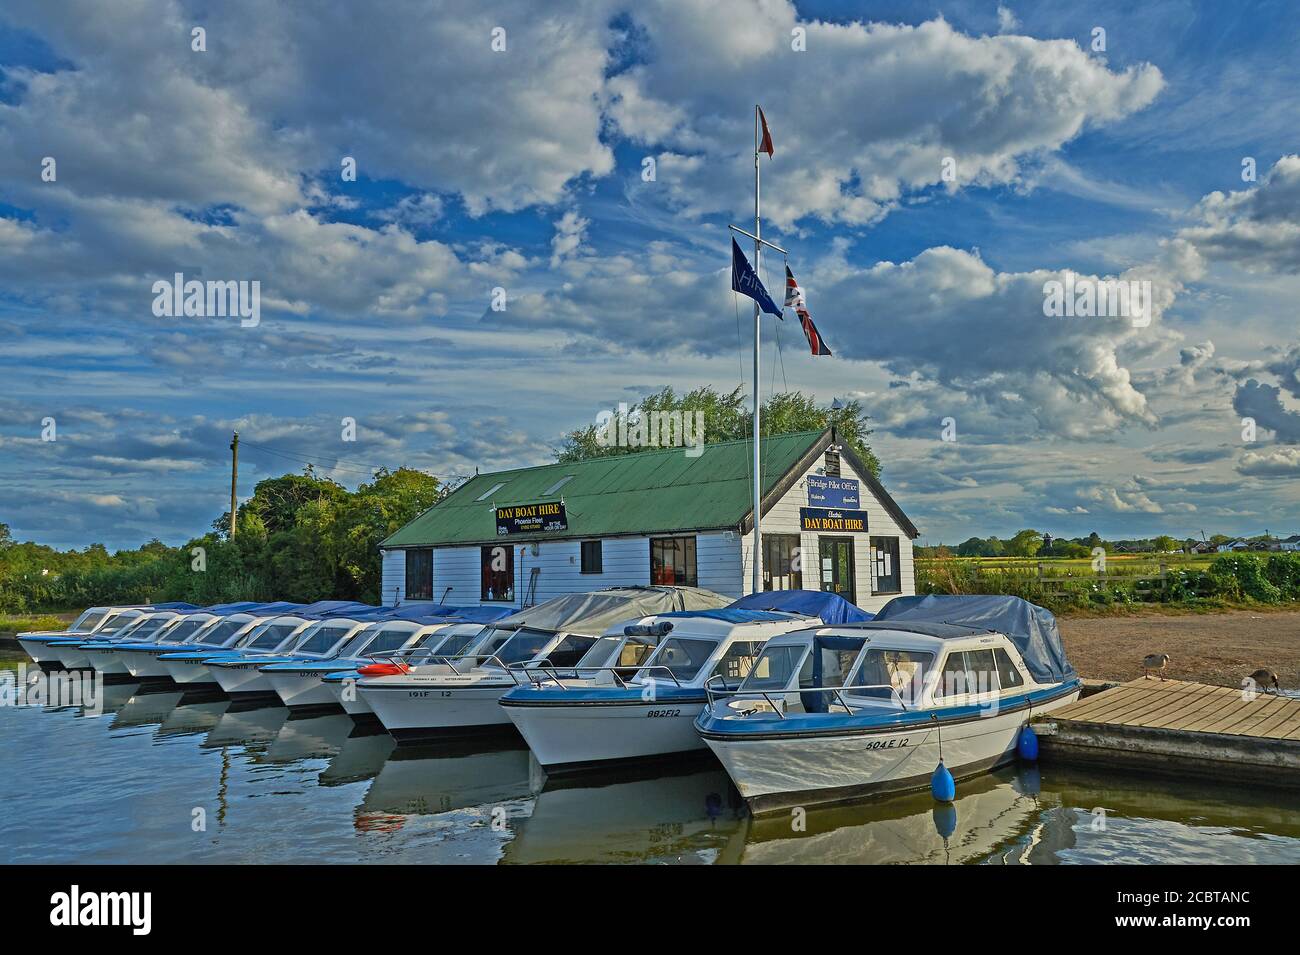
781,562
832,465
672,561
419,574
592,558
498,572
886,577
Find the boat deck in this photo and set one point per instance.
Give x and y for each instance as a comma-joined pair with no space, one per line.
1182,728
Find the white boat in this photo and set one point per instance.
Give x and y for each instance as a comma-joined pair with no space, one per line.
141,655
188,665
35,643
600,713
240,674
830,714
73,653
460,695
299,683
111,657
449,640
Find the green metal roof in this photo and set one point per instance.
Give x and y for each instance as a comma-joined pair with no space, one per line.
650,492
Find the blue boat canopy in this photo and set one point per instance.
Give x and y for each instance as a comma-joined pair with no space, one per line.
832,608
1030,627
732,614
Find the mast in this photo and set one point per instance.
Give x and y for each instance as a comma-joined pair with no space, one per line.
758,481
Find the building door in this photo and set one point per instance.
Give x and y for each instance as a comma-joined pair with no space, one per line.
835,566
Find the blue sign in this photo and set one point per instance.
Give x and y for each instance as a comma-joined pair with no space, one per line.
833,491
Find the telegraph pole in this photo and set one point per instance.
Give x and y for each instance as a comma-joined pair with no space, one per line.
234,479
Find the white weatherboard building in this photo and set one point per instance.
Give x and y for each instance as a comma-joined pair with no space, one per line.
516,538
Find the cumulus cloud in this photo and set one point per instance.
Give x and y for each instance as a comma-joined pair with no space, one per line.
1256,229
1271,463
1263,402
989,103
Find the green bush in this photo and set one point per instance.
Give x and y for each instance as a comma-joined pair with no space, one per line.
1238,576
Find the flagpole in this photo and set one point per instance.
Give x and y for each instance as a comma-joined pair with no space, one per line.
758,481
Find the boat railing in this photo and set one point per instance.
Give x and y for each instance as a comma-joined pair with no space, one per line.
766,695
538,675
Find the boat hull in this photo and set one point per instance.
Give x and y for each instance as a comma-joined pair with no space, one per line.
71,657
351,702
243,679
145,665
775,772
299,690
39,651
411,712
588,736
189,673
106,662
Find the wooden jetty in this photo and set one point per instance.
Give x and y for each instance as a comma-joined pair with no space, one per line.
1173,727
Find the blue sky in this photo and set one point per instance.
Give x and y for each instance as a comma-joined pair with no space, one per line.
522,170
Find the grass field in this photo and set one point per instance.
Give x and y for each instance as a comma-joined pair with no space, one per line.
22,623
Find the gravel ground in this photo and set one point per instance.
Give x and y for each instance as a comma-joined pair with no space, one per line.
1218,648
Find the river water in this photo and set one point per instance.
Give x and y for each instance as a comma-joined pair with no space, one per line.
163,777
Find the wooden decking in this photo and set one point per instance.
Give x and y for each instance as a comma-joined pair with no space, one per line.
1183,728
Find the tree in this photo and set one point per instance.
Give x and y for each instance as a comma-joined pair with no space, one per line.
1164,544
725,419
1025,544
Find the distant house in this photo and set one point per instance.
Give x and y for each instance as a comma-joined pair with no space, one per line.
1290,543
1237,545
1203,547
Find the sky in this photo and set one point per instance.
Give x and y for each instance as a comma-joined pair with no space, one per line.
937,166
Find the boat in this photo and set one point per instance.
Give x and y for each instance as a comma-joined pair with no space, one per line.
830,714
35,643
265,631
459,695
128,652
71,653
298,683
93,621
240,673
604,712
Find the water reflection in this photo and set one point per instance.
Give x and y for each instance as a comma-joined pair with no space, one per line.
320,788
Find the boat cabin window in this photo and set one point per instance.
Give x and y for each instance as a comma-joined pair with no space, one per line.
968,671
737,662
88,620
115,623
184,630
222,632
883,672
323,638
271,636
616,652
570,650
682,655
449,646
392,637
148,628
125,629
775,668
519,645
1008,675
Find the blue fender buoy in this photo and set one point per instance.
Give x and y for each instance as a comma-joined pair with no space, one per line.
945,820
1027,744
942,787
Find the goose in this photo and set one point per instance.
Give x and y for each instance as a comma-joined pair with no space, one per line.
1264,677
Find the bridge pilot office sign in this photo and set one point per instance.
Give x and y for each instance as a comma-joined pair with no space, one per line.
526,518
834,492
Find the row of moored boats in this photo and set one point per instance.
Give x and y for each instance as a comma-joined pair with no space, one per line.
804,698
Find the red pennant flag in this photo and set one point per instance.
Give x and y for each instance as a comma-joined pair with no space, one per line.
766,145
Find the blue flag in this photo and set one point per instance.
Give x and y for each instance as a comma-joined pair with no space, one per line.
745,281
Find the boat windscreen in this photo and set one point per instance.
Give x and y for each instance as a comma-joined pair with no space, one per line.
183,631
451,641
389,636
522,644
271,635
776,668
682,655
148,628
88,620
616,652
115,623
223,631
323,637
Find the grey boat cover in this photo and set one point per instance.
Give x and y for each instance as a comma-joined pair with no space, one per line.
1030,627
593,613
